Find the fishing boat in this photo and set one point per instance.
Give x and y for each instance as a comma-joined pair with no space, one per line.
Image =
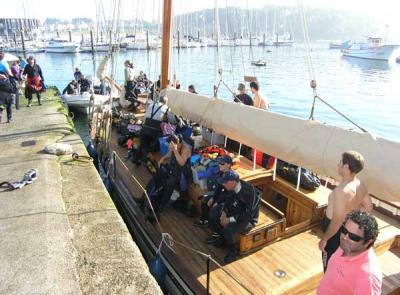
280,254
373,48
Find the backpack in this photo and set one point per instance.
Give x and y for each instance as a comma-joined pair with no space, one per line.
290,172
8,85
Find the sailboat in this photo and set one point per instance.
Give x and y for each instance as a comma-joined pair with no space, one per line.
280,255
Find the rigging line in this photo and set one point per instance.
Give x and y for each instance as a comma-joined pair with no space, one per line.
144,191
230,49
241,47
340,113
306,40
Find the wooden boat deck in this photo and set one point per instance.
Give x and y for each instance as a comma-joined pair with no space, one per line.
298,256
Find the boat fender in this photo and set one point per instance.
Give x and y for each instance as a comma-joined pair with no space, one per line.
58,149
157,268
93,154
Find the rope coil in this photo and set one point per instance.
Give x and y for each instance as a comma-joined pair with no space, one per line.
77,157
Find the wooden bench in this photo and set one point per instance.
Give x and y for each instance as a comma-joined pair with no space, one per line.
301,207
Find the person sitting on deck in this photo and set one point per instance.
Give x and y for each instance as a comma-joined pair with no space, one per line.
156,113
238,213
215,197
71,88
178,155
84,84
243,97
354,267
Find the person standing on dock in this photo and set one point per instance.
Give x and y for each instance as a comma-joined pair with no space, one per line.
4,66
260,100
34,80
350,194
354,267
16,71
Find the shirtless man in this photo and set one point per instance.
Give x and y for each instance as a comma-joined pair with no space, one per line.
260,101
349,195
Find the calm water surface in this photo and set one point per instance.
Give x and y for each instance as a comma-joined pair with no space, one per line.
366,91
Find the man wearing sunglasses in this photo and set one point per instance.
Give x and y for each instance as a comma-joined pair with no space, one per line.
354,267
350,194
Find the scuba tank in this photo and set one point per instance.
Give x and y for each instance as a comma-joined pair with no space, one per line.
157,268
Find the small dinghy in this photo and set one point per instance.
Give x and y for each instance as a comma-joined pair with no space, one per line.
259,63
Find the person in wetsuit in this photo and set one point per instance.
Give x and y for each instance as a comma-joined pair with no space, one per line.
34,80
71,88
237,214
178,155
215,197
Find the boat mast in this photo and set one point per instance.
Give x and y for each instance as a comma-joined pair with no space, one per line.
166,43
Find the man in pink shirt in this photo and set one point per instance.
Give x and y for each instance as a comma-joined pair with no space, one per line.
354,267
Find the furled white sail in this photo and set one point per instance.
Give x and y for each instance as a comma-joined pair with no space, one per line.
306,143
101,72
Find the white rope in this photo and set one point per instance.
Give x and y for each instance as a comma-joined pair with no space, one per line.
306,40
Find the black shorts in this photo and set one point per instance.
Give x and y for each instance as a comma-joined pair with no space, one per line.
331,245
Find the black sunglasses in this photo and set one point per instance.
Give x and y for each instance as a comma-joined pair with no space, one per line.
352,236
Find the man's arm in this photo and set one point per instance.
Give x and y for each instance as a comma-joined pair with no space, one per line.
338,217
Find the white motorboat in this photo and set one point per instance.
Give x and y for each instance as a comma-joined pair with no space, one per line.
81,102
371,49
61,46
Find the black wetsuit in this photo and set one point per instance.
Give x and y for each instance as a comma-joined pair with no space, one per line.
32,72
331,245
244,98
243,206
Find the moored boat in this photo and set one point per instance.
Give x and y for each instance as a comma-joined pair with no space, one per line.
82,102
280,254
373,48
59,45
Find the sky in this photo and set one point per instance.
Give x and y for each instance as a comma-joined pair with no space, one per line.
384,11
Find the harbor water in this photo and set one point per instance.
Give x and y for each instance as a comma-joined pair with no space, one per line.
366,91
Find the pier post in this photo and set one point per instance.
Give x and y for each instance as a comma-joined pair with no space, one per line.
179,41
91,42
23,43
147,40
70,36
15,39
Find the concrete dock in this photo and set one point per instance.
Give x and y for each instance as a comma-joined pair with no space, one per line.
60,234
